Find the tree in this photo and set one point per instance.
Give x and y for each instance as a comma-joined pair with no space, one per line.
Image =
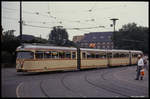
1,32
9,45
36,40
59,37
132,37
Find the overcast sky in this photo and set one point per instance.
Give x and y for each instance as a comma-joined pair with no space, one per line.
72,15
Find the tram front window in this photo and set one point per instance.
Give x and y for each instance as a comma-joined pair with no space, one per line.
25,55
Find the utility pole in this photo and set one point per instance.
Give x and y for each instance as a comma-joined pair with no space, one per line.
20,22
114,23
40,36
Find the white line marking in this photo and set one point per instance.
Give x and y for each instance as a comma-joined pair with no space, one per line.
17,89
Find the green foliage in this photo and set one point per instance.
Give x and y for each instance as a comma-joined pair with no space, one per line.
37,40
6,57
9,44
132,37
9,41
59,37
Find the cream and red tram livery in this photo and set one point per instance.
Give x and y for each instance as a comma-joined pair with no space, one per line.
37,58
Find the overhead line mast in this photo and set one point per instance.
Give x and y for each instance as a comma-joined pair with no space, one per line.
20,22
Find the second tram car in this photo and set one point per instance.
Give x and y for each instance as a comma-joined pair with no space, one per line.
40,58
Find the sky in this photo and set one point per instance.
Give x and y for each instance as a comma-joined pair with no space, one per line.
39,17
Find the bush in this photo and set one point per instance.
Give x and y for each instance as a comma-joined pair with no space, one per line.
6,57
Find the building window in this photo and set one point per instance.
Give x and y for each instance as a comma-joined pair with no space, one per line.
86,43
83,44
99,43
101,37
109,37
103,46
94,37
103,42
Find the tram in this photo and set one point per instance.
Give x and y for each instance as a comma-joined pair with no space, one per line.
42,58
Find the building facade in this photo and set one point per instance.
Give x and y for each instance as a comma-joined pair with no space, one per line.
100,40
77,38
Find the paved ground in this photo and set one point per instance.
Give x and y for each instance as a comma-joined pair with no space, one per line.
112,82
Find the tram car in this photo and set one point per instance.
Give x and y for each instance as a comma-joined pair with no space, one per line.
40,58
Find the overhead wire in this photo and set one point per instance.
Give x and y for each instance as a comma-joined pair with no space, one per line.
9,18
65,28
90,10
50,16
37,13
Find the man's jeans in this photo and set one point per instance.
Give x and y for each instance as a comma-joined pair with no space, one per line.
138,71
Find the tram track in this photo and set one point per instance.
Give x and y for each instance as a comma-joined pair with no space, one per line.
63,84
68,88
115,86
62,79
104,79
43,91
85,78
104,86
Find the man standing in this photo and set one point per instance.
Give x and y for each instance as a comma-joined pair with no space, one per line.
145,60
140,66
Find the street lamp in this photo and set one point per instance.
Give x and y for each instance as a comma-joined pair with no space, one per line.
114,23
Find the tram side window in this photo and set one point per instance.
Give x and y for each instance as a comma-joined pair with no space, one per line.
126,55
39,54
123,55
54,54
109,55
73,55
116,55
102,55
134,55
47,54
91,55
25,55
88,55
83,55
61,54
68,54
97,55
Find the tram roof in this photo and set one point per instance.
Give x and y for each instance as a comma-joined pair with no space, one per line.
46,47
28,46
109,50
88,49
135,51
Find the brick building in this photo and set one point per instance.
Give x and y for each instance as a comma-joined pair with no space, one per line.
77,38
101,40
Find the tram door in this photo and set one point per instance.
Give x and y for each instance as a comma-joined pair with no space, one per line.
78,59
130,56
109,56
